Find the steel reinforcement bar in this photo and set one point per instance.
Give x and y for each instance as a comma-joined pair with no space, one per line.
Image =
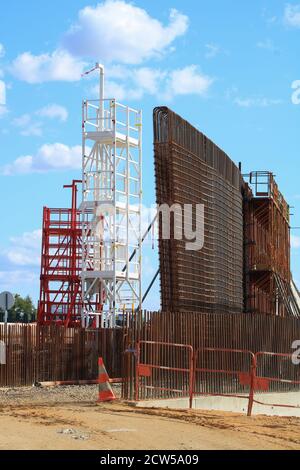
191,169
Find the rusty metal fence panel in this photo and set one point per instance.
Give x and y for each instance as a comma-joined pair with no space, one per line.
20,366
55,353
224,372
277,373
234,331
166,370
219,331
170,370
163,370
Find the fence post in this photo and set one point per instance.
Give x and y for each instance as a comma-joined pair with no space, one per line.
137,376
252,383
192,376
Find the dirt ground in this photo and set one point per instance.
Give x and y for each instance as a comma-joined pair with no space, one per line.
70,418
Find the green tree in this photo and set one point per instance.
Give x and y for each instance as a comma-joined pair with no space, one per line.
22,311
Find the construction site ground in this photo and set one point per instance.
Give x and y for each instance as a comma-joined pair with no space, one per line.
70,418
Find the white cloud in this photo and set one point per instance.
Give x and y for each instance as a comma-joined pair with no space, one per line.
292,15
113,90
60,65
48,157
2,93
269,18
134,83
3,108
212,50
20,262
139,82
22,121
2,51
295,241
18,280
149,80
267,45
116,31
232,94
256,102
118,71
188,81
54,111
25,250
27,127
35,130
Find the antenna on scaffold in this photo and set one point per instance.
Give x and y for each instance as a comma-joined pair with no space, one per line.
99,67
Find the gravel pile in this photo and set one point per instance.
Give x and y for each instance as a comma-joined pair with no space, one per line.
51,395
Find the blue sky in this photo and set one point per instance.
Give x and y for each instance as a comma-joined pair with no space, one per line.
226,66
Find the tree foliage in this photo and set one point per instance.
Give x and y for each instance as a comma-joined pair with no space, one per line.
23,310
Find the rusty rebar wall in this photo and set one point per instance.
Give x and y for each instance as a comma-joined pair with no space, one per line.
267,247
191,169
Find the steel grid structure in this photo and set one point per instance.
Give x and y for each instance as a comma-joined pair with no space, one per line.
111,208
191,169
60,284
268,283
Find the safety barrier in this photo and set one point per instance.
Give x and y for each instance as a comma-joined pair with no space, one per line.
163,370
276,372
224,372
170,370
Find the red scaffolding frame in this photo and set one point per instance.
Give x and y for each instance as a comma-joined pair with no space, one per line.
60,287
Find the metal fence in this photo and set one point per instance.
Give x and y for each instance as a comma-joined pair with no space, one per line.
226,351
55,353
169,370
224,372
277,372
254,332
163,370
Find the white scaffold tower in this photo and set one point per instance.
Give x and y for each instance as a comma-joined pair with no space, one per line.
111,209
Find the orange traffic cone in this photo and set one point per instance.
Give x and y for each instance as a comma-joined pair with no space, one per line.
105,390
